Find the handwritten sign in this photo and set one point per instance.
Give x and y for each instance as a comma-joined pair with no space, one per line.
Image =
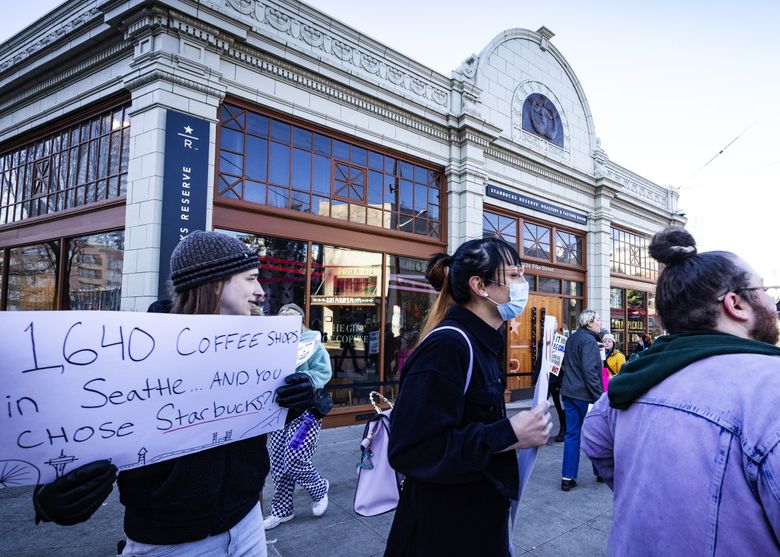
137,388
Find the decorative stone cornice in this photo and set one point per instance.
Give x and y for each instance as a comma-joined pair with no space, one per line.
646,192
527,165
88,64
341,50
80,20
161,75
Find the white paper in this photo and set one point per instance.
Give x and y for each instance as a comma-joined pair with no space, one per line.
136,388
526,458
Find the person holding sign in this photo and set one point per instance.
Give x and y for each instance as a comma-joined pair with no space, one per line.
293,446
205,502
450,436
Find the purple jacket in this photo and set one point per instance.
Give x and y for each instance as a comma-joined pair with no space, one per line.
695,462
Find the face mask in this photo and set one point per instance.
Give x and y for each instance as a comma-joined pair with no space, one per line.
518,298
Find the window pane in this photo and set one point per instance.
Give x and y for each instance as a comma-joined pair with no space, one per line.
302,138
536,241
32,276
549,285
321,181
375,189
322,144
280,131
256,158
254,192
231,163
95,280
409,298
572,288
359,155
301,169
280,164
257,124
300,202
340,150
568,248
278,197
346,291
232,140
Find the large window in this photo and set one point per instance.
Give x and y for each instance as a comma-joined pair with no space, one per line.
270,162
535,241
76,166
368,307
629,316
630,255
84,272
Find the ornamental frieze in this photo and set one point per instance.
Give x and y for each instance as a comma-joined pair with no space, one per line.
68,27
339,49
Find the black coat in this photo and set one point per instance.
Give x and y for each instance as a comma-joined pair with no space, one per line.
582,366
458,486
188,498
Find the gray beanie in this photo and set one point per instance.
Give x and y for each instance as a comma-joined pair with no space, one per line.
293,307
203,257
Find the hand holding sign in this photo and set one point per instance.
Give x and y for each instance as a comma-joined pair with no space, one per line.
135,388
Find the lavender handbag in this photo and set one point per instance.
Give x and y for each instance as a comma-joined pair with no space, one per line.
378,485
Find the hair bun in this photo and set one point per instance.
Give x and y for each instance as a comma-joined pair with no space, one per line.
672,245
438,269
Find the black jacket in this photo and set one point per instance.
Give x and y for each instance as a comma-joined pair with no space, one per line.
582,366
458,486
194,496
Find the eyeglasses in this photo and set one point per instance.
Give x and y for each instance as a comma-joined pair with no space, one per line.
772,291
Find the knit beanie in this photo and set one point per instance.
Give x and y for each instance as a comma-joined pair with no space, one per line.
203,257
291,307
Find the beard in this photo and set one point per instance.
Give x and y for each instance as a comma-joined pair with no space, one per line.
765,327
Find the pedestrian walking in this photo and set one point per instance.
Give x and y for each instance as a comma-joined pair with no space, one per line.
450,436
291,453
581,385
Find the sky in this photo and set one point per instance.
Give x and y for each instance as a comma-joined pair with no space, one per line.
683,92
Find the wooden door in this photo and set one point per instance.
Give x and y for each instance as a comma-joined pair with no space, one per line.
520,335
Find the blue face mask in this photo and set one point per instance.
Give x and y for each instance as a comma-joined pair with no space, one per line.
518,299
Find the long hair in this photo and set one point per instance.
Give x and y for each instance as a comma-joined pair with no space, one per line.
450,274
688,288
200,300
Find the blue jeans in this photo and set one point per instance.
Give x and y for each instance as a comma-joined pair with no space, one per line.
245,539
575,414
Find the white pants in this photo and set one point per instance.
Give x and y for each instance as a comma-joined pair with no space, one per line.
245,539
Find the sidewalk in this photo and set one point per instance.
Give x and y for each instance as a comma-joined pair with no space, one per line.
551,522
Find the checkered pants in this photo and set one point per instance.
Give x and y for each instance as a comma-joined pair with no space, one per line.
289,466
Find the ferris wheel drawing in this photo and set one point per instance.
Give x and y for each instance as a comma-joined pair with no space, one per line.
15,473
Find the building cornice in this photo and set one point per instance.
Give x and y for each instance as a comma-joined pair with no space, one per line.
28,45
317,35
101,57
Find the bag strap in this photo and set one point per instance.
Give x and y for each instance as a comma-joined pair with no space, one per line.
471,351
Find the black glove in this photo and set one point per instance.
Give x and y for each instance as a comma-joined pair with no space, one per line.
297,394
76,496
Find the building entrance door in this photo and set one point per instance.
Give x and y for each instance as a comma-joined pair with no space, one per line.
524,332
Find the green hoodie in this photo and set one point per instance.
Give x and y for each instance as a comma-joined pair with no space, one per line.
671,353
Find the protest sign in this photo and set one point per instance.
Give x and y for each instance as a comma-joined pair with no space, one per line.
136,388
557,348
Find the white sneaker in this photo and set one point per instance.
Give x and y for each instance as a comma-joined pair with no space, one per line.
273,521
318,508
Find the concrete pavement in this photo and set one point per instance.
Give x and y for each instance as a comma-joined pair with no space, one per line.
551,522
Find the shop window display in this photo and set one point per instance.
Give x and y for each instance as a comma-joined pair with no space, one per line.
32,276
94,271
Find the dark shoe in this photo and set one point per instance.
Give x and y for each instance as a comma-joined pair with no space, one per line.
566,485
559,438
600,479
